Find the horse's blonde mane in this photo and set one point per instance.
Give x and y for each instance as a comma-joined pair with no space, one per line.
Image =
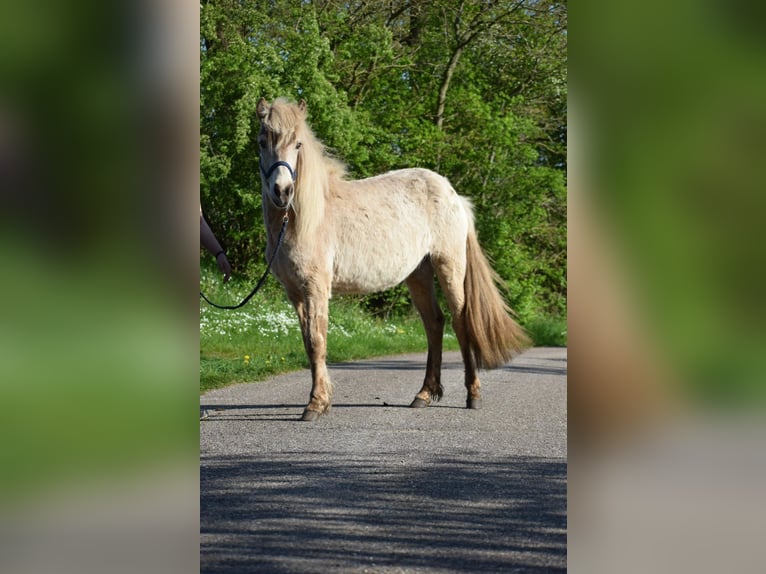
316,171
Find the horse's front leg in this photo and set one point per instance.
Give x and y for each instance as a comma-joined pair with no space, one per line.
313,316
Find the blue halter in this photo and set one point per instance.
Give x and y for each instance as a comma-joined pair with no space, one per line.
275,165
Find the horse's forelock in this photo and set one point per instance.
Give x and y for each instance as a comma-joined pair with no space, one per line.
284,118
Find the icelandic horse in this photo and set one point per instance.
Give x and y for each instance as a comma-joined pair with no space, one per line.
363,236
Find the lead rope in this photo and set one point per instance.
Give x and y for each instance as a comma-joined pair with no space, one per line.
263,277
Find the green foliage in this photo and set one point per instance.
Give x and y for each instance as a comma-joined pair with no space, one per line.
475,90
547,331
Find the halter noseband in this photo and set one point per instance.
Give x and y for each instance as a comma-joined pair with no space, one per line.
274,166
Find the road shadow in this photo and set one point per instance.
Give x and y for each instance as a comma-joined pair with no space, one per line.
393,364
340,512
536,370
237,412
542,366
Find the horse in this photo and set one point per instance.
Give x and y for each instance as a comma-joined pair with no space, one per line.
362,236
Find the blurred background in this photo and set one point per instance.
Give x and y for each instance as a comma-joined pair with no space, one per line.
99,253
666,270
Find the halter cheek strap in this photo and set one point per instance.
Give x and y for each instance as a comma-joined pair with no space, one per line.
275,165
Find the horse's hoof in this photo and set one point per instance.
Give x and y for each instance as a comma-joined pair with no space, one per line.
418,403
473,404
310,415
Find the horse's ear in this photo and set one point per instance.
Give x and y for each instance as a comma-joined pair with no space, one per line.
262,109
302,106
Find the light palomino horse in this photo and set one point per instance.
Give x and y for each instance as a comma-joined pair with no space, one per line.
369,235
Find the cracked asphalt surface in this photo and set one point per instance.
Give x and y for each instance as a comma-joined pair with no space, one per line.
376,486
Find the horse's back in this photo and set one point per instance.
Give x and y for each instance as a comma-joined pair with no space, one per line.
385,225
417,194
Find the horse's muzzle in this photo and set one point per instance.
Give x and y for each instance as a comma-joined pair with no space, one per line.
281,197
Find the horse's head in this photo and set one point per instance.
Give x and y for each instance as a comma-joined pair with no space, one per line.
280,142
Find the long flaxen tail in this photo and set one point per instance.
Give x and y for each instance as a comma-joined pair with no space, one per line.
494,337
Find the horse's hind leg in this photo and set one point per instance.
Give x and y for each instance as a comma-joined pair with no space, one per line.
422,291
451,275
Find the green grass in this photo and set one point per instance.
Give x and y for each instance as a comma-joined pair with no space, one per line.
263,338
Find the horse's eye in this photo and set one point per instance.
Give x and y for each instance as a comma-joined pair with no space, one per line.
298,145
262,144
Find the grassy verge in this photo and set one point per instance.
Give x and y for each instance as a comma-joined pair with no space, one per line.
263,338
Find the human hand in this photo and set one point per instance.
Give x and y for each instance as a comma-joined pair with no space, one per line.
223,265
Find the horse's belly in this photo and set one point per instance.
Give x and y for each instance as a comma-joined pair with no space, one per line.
368,271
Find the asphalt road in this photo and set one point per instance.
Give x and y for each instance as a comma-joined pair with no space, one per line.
375,486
